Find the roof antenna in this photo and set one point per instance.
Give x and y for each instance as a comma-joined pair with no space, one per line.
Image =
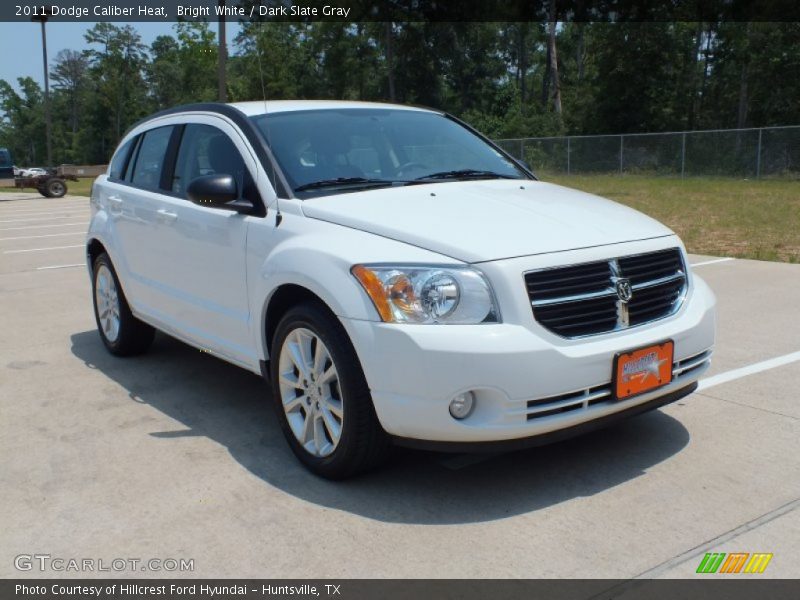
273,173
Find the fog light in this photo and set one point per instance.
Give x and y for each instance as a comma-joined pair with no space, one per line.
461,406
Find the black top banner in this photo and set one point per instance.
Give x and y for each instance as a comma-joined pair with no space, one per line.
400,10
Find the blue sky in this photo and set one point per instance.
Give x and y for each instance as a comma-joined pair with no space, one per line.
22,44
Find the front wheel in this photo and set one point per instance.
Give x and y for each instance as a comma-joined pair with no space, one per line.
121,332
321,396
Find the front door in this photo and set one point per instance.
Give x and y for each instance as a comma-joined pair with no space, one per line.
204,283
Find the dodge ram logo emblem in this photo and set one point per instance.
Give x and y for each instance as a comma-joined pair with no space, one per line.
624,290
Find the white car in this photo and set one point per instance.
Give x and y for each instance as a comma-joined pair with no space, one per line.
33,172
395,276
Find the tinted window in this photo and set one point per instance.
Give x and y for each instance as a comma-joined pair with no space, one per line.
132,159
120,160
150,158
385,144
206,150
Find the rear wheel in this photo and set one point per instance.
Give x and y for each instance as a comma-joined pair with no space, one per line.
121,332
55,187
321,396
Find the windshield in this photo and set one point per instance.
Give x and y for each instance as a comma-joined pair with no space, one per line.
336,150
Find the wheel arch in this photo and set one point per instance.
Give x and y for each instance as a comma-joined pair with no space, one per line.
283,298
94,248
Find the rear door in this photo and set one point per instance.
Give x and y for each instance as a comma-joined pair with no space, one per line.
133,198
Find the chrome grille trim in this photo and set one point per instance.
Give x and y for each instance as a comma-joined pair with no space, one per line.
607,293
579,400
601,394
623,314
660,281
657,279
690,363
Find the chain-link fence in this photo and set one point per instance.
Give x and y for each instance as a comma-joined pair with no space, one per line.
749,153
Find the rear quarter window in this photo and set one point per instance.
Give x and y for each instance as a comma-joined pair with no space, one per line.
120,160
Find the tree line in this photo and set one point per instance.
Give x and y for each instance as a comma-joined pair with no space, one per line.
507,79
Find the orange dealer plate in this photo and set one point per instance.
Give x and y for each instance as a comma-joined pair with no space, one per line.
642,370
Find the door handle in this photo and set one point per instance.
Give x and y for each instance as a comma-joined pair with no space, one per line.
115,204
166,216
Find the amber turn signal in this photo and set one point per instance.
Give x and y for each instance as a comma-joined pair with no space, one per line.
374,288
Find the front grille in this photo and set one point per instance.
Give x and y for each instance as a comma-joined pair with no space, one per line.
581,300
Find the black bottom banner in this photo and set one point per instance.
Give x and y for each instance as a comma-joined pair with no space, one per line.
395,589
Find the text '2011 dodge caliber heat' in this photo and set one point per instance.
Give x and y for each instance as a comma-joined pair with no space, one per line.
395,276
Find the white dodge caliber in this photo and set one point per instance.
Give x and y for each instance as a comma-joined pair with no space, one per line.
395,276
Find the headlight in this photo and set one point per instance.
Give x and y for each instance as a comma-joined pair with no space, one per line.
428,293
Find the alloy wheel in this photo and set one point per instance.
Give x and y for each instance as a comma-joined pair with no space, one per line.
310,392
107,302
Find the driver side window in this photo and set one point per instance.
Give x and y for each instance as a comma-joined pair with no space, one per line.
206,150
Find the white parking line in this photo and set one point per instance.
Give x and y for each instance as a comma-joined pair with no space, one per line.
60,266
39,207
76,213
41,226
41,249
33,237
758,367
41,212
39,218
711,262
31,201
67,214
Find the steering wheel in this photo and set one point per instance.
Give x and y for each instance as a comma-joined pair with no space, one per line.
409,165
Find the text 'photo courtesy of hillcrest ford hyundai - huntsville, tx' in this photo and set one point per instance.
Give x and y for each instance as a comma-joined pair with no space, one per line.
396,277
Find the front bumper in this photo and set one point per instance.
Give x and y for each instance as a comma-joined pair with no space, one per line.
550,437
526,383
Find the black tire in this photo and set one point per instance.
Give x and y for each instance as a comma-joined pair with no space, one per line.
55,187
363,444
133,336
43,191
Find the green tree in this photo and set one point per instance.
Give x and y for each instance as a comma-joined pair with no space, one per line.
70,77
22,127
117,60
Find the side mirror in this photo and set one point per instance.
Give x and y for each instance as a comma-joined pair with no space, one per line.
214,191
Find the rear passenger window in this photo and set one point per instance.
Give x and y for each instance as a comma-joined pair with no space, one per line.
150,158
206,150
120,160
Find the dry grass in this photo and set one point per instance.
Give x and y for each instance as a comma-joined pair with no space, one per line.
721,217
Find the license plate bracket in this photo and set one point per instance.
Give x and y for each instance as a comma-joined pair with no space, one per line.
642,369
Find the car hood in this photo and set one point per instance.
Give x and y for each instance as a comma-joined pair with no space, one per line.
477,221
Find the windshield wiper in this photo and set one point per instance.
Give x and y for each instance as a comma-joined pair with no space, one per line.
465,174
341,181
